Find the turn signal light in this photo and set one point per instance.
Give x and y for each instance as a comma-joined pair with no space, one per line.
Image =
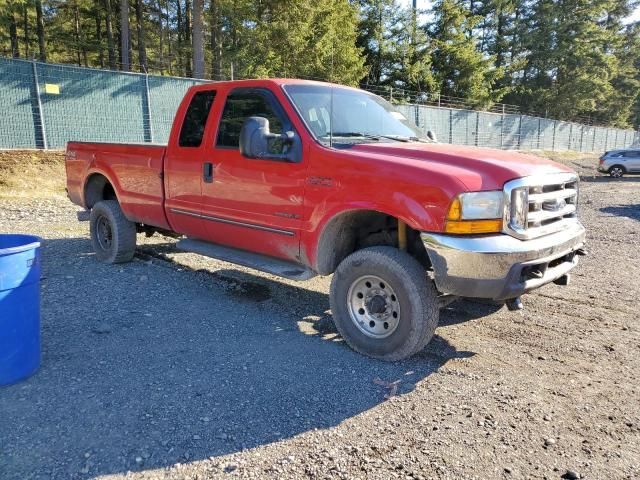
471,227
455,210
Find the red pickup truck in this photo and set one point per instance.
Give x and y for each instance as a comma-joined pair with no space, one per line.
300,178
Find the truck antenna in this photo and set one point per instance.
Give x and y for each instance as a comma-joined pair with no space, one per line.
331,118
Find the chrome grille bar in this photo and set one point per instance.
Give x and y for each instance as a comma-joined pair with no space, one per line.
539,205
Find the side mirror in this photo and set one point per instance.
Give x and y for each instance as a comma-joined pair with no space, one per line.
431,136
255,140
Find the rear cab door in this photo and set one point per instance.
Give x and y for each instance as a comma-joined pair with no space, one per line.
184,162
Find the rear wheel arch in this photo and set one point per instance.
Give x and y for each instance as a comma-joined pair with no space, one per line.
97,188
352,230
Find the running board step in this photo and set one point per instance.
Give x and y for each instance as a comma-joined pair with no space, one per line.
263,263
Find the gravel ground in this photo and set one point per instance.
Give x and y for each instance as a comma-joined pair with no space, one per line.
177,366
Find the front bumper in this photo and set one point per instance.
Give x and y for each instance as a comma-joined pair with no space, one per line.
499,266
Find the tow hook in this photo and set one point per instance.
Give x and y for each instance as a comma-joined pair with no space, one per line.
563,280
514,304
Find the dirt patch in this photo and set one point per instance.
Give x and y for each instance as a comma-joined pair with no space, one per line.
585,164
31,173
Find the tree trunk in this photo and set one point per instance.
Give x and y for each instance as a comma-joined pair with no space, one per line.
179,31
111,48
42,48
198,39
499,41
216,41
99,37
160,24
187,38
124,34
25,23
169,38
13,34
76,25
142,48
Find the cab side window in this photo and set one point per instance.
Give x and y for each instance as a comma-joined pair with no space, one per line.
195,120
241,105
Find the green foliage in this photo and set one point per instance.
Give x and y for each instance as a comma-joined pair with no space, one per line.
569,59
581,61
461,69
301,38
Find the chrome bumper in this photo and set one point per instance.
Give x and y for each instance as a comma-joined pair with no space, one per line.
499,266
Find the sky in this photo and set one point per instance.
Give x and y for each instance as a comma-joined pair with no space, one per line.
424,4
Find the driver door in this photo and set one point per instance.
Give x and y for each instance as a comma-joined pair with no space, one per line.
253,204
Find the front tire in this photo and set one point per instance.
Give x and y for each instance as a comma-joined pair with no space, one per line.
617,171
383,304
113,236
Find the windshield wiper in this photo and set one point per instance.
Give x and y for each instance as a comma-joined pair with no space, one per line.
397,138
354,134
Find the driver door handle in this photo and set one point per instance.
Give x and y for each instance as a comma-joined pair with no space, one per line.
207,172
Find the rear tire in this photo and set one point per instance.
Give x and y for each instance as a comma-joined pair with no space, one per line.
383,304
617,171
113,236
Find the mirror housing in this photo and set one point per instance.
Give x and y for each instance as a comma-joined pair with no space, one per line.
255,138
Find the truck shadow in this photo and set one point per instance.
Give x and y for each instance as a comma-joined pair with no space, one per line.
146,365
629,211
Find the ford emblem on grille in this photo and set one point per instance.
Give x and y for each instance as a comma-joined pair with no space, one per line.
554,205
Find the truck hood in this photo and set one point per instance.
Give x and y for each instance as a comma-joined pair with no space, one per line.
478,168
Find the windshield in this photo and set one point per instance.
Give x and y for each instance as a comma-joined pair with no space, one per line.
343,116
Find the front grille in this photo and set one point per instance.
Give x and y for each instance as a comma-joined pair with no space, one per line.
551,205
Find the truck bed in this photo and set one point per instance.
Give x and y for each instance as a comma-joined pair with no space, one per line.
134,170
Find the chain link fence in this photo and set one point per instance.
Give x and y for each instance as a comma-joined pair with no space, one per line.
516,131
46,105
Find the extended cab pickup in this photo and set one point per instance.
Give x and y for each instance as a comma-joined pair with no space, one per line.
301,178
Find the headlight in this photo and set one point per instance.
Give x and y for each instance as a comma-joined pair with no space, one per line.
475,212
481,205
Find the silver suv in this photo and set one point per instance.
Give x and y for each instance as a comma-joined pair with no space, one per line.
618,162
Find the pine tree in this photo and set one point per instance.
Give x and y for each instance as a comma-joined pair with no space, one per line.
375,39
577,65
301,38
409,57
460,68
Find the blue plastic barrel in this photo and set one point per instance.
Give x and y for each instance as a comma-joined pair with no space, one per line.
19,307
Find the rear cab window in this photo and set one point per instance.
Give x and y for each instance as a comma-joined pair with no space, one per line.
195,120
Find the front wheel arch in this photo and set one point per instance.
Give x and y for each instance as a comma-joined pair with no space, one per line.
353,230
